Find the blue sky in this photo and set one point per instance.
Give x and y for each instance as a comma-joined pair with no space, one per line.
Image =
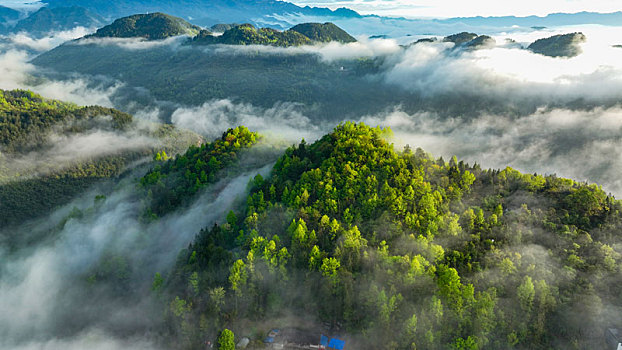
462,8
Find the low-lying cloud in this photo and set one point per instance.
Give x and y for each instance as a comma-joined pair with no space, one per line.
283,121
61,151
47,299
23,40
133,43
17,73
582,145
512,74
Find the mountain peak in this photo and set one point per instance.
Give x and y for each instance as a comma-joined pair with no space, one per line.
562,45
151,26
248,34
323,32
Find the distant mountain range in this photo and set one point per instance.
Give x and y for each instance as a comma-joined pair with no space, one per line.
58,18
66,14
206,13
552,20
157,26
47,19
8,14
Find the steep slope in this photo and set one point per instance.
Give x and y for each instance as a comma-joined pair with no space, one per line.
563,45
387,247
326,32
47,19
151,26
172,183
51,151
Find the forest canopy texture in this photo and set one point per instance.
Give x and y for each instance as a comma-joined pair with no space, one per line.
401,251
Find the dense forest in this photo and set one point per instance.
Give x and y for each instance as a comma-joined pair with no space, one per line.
396,250
158,26
247,34
171,182
151,26
120,232
563,45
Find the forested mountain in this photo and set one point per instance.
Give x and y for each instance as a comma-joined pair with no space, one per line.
193,76
466,40
563,45
45,159
247,34
222,27
393,249
460,38
551,20
47,19
326,32
171,184
151,26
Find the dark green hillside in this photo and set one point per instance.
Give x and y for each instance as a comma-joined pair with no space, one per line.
566,45
31,186
481,42
460,38
26,118
151,26
326,32
193,76
395,250
222,27
247,34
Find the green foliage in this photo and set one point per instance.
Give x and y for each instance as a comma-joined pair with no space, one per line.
405,251
26,118
28,122
151,26
326,32
198,74
173,181
226,340
562,45
247,34
460,38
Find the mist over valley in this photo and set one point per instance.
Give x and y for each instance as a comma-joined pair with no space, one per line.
261,174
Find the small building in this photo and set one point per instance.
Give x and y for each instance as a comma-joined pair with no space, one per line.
613,338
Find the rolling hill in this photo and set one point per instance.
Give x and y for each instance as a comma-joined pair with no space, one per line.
360,239
51,151
151,26
563,45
